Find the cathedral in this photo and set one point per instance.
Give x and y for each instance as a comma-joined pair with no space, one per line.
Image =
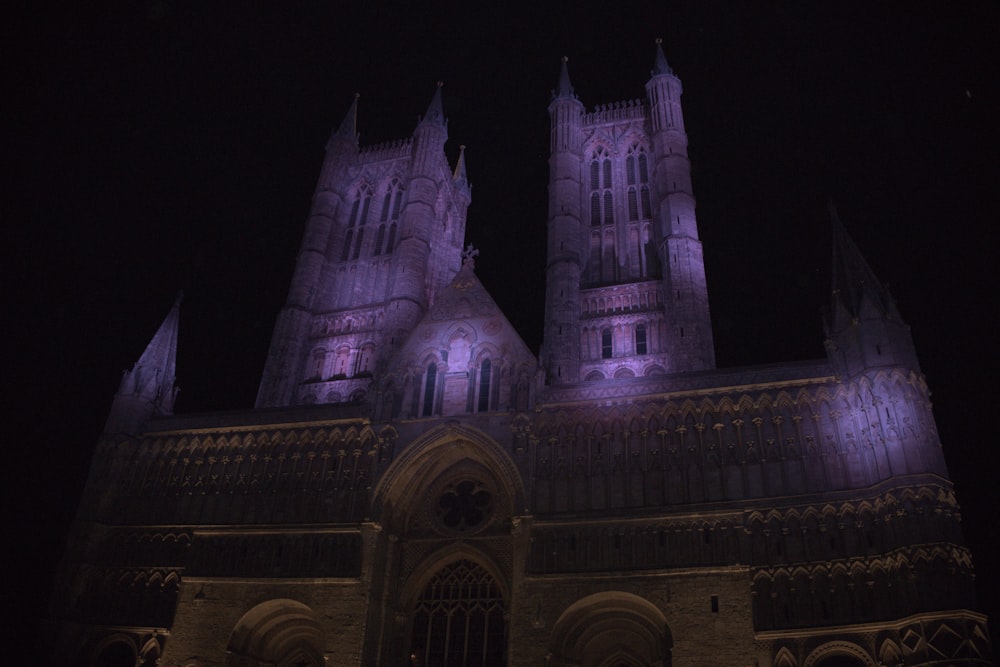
417,487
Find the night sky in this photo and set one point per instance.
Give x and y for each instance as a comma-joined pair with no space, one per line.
160,146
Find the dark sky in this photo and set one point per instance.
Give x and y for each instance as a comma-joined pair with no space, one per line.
159,146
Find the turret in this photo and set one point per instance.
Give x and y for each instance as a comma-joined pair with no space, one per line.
409,295
864,329
685,290
277,384
561,355
148,389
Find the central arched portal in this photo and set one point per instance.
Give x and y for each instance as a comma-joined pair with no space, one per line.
459,619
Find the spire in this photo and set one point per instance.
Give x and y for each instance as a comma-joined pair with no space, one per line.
148,388
855,286
435,110
349,126
660,65
564,88
864,328
460,176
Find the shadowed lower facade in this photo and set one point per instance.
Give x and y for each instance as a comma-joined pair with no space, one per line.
416,487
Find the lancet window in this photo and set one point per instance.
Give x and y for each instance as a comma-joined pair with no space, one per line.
601,199
356,224
429,381
389,218
637,176
485,379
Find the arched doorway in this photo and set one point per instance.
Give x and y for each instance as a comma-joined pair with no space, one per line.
611,629
279,632
459,619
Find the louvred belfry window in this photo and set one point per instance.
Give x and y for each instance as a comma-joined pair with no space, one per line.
459,619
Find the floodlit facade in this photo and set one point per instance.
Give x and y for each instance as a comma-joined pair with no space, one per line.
417,487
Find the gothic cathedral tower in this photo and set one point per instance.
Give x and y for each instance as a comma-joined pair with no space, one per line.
384,236
626,294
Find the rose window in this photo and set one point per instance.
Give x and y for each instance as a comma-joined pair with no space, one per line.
464,506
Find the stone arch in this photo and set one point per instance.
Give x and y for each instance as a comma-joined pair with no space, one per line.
116,650
282,632
614,624
838,654
432,455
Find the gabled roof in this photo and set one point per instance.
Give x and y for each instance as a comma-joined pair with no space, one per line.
462,308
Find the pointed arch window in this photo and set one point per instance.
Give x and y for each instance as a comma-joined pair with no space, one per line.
485,380
391,205
429,381
356,224
601,198
637,175
459,619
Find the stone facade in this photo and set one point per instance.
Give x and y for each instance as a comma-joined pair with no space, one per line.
415,487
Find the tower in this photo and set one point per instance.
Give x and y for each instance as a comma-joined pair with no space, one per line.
642,508
626,293
383,237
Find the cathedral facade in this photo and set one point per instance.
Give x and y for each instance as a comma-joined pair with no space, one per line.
415,486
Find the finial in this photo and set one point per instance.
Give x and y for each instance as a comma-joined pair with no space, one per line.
468,256
659,40
565,59
440,84
357,95
180,297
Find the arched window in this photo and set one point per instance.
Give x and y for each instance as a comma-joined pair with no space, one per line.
601,199
356,224
484,385
606,349
391,206
379,236
429,382
459,619
637,174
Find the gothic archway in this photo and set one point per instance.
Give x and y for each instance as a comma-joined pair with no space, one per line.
611,629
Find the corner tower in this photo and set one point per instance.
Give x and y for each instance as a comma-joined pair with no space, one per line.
384,236
626,294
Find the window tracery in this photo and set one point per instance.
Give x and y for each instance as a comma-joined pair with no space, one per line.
459,619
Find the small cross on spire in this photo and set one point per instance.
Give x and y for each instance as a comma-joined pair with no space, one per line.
469,255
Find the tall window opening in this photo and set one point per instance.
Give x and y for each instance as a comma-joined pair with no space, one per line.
429,382
640,339
606,344
485,371
637,175
391,204
459,619
601,200
356,224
